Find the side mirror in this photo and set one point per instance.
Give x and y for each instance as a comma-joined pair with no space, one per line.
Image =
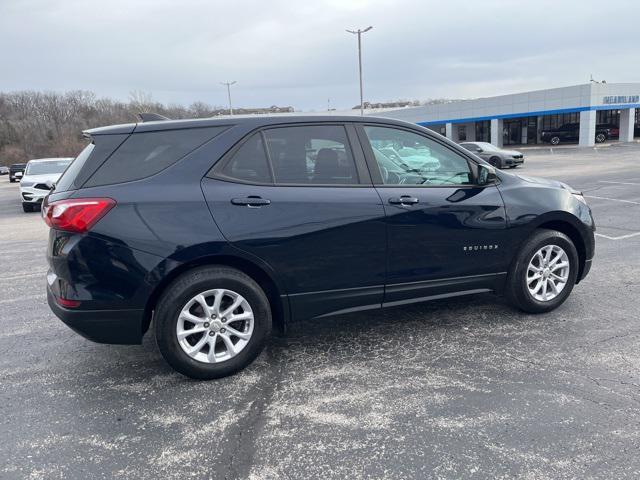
486,174
479,150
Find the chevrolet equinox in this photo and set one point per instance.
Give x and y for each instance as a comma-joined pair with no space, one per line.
216,229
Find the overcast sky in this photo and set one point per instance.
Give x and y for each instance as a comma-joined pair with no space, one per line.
298,53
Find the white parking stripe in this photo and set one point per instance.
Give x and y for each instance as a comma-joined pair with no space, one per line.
619,183
613,199
621,237
26,275
20,299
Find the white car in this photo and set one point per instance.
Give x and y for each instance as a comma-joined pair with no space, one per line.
39,176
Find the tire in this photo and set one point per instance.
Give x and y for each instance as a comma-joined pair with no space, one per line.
518,290
496,162
27,207
12,180
555,140
181,293
601,138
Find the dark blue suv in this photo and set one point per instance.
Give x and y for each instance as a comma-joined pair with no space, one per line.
215,229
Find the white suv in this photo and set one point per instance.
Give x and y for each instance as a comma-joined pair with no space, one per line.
39,176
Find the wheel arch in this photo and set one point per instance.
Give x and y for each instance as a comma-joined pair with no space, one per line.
279,304
571,231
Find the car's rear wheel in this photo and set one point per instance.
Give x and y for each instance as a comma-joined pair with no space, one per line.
600,138
27,207
544,272
555,140
212,322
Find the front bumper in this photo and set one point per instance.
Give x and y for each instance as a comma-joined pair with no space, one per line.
122,327
33,195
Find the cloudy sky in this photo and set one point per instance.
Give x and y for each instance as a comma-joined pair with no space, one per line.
298,53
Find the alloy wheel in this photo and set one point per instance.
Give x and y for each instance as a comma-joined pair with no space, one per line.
600,138
548,273
555,141
215,326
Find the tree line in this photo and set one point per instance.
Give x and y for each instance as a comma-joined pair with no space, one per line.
50,124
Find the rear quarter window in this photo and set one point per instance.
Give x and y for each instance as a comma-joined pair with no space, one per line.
145,154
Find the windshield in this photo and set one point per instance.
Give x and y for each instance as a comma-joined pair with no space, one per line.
44,168
487,146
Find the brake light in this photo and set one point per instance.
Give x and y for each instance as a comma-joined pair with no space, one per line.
66,303
76,215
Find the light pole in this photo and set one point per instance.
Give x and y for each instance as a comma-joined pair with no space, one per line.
359,32
228,84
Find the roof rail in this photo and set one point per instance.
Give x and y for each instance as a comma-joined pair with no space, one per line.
151,117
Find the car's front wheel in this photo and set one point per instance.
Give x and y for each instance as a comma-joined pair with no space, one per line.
212,322
496,162
600,138
555,140
544,272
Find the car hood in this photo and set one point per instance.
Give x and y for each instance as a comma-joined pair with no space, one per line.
511,152
48,178
548,182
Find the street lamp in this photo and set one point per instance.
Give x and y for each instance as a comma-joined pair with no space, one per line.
228,84
359,32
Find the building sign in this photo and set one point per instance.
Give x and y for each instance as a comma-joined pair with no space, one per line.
620,99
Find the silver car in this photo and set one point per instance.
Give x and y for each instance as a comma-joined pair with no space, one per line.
498,157
38,178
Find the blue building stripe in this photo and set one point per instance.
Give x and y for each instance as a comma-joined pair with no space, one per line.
531,114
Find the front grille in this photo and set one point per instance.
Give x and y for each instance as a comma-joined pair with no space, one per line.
517,156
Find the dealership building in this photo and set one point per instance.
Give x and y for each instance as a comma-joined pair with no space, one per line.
520,118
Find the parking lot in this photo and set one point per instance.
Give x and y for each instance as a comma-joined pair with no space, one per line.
462,388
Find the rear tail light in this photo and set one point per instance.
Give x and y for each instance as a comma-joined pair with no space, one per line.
76,215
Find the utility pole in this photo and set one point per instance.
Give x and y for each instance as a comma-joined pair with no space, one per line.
359,32
228,84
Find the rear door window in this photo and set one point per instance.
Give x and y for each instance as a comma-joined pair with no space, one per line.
145,154
311,154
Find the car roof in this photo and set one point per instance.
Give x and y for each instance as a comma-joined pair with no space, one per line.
254,120
53,159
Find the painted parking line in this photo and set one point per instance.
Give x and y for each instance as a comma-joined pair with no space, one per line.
613,199
618,183
621,237
26,275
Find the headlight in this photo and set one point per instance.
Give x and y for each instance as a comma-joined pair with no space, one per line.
580,197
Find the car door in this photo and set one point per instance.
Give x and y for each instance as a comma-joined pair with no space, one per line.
445,232
300,198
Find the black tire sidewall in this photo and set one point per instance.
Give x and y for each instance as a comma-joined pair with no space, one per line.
517,282
185,288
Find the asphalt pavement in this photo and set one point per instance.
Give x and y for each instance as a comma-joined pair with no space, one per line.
462,388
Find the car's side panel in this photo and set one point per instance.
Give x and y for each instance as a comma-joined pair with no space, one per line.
328,243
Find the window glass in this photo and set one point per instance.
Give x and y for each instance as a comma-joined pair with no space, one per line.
147,153
408,158
318,154
70,173
45,168
249,162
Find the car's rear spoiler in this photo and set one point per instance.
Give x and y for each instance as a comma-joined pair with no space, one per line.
151,117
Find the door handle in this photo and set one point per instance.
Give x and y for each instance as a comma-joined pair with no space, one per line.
403,200
251,201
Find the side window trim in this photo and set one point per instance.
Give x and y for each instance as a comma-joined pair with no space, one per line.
373,164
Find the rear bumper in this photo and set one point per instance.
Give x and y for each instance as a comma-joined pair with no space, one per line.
122,327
